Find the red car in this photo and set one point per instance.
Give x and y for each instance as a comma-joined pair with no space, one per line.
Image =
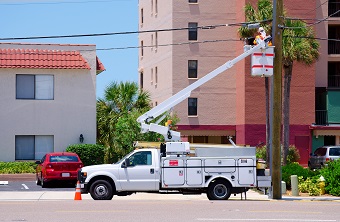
58,166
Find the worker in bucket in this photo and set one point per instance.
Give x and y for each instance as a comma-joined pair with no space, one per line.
261,36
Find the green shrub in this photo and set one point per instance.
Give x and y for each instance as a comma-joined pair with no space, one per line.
331,173
90,154
261,152
293,154
310,186
17,167
295,169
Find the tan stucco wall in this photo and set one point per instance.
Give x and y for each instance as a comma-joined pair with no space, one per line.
71,113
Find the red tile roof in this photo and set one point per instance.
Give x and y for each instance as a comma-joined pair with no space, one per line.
42,59
100,66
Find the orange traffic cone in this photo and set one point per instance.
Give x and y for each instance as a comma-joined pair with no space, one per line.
77,195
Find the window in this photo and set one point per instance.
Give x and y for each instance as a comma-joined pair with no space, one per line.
141,158
192,106
156,7
156,40
142,48
40,87
192,68
156,76
193,1
152,7
141,16
63,158
32,147
151,42
141,80
151,76
192,30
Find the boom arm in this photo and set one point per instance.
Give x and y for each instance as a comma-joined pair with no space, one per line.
166,105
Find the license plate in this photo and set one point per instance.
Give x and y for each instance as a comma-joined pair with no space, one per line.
65,174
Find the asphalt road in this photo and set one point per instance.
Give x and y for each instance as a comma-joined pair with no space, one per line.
170,211
26,182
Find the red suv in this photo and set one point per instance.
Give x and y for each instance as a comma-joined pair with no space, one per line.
58,166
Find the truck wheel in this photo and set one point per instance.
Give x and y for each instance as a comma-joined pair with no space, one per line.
101,190
219,190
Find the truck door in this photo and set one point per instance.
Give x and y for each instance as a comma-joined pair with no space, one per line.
140,174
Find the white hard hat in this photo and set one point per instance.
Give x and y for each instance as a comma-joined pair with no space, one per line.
261,29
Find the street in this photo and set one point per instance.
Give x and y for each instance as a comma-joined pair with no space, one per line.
23,200
169,210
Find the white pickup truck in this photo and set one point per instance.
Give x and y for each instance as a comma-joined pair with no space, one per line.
218,171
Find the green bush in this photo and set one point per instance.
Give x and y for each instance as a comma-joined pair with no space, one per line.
17,167
295,169
261,152
90,154
331,173
293,154
310,186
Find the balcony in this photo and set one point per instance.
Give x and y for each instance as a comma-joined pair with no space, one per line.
334,81
333,47
321,117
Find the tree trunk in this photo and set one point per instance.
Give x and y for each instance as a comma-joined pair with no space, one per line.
267,120
288,67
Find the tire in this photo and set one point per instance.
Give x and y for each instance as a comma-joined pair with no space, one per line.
219,190
37,180
43,183
101,190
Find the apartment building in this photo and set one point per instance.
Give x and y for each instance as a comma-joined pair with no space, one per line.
48,98
326,128
233,103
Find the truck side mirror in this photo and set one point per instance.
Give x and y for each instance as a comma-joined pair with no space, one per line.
126,163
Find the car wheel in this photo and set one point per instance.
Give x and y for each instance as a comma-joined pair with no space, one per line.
101,190
37,180
219,190
42,182
310,166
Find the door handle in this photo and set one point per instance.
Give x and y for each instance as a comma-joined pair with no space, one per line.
152,171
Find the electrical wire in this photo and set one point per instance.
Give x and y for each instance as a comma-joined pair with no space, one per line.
134,32
315,23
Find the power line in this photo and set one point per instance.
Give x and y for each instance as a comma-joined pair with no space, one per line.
172,44
250,24
13,52
315,23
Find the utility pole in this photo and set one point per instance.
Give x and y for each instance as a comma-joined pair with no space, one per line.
277,101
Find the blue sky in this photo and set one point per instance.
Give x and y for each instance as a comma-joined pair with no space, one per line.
26,18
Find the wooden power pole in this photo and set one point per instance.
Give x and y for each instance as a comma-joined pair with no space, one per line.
277,101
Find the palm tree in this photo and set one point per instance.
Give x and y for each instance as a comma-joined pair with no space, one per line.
120,100
298,44
263,11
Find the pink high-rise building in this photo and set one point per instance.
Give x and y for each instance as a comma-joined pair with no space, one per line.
233,103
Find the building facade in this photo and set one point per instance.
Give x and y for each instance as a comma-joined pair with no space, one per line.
233,103
48,97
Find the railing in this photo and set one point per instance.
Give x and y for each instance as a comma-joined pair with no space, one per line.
334,81
333,47
333,7
321,117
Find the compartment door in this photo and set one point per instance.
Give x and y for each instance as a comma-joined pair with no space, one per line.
173,172
194,175
246,171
